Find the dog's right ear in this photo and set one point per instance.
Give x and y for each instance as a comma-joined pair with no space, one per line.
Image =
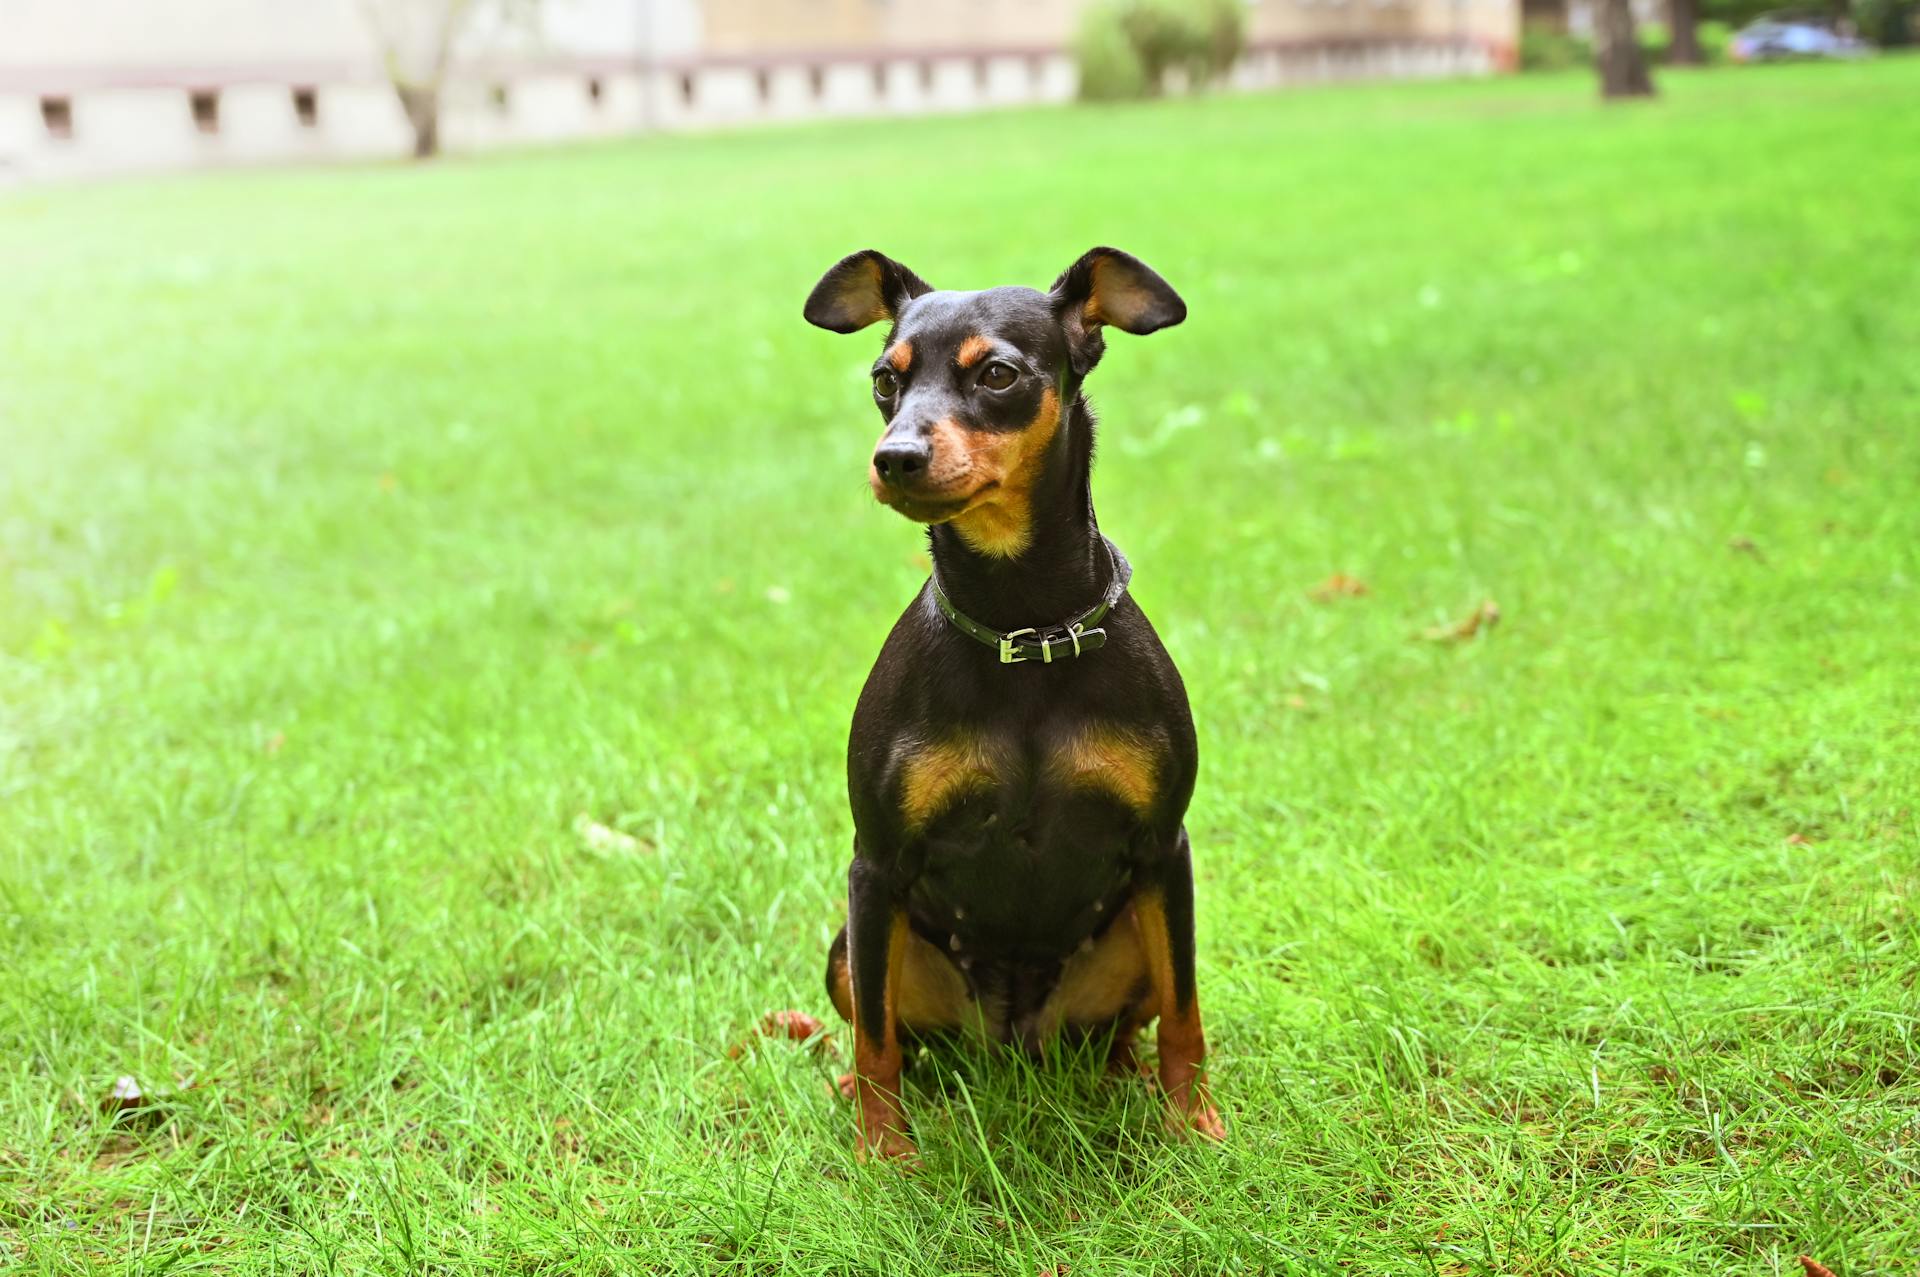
862,289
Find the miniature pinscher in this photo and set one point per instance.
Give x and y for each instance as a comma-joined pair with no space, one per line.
1022,754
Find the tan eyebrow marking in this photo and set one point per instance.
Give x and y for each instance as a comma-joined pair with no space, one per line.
972,351
901,356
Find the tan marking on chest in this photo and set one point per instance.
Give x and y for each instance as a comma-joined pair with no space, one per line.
1114,761
939,774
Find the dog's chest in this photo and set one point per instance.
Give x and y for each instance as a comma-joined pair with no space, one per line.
1028,840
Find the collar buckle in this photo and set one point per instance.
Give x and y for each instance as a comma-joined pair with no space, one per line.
1012,655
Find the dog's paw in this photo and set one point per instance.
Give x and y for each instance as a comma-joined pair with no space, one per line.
844,1084
891,1147
1202,1119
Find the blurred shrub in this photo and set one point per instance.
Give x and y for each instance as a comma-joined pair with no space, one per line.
1715,38
1888,23
1544,49
1737,13
1126,48
1654,39
1109,68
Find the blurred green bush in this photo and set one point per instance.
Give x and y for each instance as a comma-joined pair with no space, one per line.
1128,48
1543,48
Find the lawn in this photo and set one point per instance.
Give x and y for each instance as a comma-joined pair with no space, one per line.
432,601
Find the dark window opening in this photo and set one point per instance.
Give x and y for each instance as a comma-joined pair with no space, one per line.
206,109
306,107
880,79
497,97
817,81
596,91
980,72
763,84
1037,70
686,87
926,76
57,115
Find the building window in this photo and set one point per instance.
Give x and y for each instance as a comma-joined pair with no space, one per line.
686,87
763,84
306,106
1037,70
596,91
57,114
880,79
205,104
926,77
980,73
498,99
817,81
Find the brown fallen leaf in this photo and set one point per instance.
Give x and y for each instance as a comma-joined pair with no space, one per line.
1058,1270
125,1095
1486,616
794,1026
1798,840
1814,1267
1745,545
1338,586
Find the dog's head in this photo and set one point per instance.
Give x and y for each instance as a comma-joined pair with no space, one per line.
972,385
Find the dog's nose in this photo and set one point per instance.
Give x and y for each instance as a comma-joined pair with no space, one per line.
901,461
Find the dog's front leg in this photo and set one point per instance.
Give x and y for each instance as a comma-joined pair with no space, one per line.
1163,912
876,946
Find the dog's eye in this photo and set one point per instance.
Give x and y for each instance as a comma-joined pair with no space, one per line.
998,376
884,384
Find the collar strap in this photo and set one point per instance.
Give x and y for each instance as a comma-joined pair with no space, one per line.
1069,638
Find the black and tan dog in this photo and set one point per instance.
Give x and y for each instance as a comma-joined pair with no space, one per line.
1022,755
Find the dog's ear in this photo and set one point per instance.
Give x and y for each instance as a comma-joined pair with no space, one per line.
862,289
1107,286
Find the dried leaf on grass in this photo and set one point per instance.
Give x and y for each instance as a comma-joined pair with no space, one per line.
1814,1267
126,1098
605,840
792,1026
1484,617
126,1094
1338,586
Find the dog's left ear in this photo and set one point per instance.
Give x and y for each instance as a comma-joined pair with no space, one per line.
1107,286
863,288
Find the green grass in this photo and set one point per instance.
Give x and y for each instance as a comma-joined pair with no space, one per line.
362,529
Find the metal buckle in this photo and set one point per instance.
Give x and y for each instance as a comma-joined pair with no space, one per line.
1007,656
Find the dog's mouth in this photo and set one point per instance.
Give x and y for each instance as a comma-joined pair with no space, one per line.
935,509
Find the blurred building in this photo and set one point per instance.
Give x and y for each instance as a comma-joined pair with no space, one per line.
90,86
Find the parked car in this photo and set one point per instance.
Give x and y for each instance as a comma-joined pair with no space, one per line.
1793,35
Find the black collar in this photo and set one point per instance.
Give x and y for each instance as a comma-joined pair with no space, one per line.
1069,637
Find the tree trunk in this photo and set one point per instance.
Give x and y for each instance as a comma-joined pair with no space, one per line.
1683,17
1623,69
422,105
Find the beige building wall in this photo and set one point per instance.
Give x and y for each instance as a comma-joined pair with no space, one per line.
761,26
93,86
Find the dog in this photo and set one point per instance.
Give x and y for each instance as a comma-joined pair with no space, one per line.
1022,754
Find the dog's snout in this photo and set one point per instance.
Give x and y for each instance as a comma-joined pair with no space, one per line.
901,461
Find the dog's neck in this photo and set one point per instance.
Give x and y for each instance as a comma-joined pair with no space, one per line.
1063,569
